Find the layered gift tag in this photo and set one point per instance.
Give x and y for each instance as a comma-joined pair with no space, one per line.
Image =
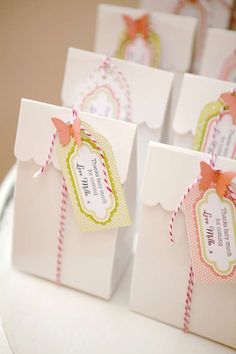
139,43
105,92
81,223
216,129
210,212
91,177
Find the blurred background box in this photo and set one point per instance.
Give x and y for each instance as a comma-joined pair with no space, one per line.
34,38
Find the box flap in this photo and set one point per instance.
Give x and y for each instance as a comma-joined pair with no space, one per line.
177,34
170,170
215,57
149,88
35,131
196,92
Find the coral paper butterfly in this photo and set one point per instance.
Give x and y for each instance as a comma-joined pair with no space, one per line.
66,131
210,177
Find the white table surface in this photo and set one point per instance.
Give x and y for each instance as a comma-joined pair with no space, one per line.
42,318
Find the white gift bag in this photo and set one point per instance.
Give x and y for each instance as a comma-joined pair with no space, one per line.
89,261
219,56
161,268
196,92
141,92
175,35
219,13
214,13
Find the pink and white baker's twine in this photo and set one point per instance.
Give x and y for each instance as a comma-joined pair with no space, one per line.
177,209
61,231
49,156
107,63
188,299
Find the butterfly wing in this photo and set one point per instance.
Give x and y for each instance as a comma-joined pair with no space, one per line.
143,25
76,131
230,101
207,176
131,26
62,130
224,181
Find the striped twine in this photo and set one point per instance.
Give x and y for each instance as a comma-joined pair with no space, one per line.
49,156
108,63
61,232
188,300
177,209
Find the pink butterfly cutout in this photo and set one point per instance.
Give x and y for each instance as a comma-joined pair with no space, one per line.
66,131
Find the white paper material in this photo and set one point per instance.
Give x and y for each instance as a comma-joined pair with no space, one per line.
149,91
4,345
220,46
215,13
92,262
218,16
149,88
195,93
171,29
160,273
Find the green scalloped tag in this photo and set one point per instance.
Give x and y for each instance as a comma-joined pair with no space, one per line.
212,138
93,183
140,50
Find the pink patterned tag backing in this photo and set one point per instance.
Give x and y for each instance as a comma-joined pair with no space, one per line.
211,228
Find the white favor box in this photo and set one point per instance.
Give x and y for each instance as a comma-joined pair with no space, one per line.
149,90
93,261
173,30
218,14
195,93
219,48
160,272
215,13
